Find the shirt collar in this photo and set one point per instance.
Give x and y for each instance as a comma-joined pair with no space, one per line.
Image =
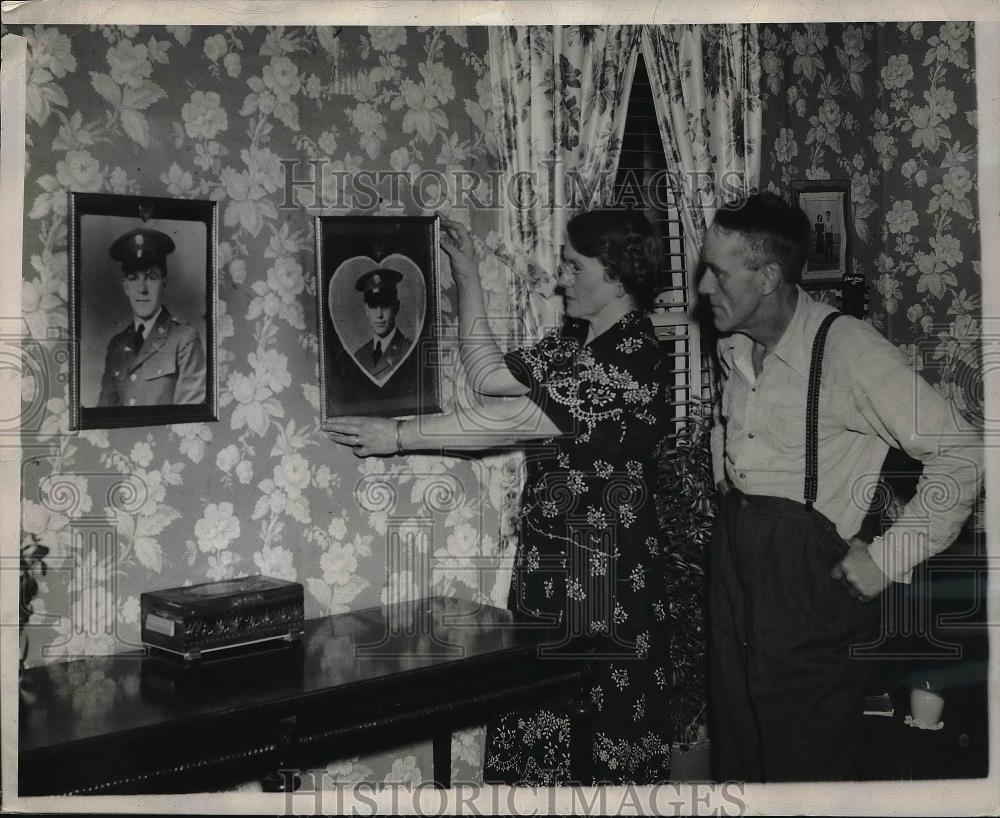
148,324
575,329
795,345
384,341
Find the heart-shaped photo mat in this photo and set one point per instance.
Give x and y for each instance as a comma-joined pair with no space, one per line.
347,306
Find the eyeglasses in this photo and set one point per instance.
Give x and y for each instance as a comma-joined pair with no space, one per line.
567,269
146,275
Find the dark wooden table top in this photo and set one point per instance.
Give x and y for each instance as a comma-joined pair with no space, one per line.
409,644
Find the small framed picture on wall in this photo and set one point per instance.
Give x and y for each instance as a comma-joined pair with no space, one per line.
826,204
379,312
143,289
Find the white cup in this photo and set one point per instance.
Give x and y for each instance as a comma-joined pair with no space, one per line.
926,705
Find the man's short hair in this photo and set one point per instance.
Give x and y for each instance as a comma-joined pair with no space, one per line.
774,232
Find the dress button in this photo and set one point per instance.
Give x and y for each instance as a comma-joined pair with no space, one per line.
743,475
750,435
131,402
133,376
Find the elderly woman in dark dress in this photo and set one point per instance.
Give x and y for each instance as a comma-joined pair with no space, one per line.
587,403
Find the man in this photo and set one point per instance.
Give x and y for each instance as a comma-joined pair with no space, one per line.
156,359
388,345
791,586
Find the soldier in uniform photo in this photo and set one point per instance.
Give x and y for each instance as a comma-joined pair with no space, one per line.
156,359
388,345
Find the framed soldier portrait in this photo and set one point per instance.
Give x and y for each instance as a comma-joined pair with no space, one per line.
379,312
143,289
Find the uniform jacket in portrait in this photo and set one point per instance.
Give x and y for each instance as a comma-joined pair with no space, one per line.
398,347
169,368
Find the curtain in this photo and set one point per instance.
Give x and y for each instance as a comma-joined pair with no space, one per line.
705,81
561,96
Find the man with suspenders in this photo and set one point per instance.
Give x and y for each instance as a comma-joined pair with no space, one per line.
809,408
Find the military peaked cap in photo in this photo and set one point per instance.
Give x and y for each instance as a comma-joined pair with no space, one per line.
141,248
379,286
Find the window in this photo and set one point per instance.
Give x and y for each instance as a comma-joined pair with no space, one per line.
642,183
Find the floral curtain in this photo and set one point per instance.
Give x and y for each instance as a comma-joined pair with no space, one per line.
561,93
706,88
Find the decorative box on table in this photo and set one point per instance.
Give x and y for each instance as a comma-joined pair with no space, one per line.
214,616
267,667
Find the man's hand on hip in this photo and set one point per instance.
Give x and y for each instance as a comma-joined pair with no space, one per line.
859,573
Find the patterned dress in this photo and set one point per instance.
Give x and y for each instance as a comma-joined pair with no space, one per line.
589,551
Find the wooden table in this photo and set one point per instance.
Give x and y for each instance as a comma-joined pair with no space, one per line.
357,682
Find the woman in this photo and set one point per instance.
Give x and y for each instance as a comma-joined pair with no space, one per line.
588,542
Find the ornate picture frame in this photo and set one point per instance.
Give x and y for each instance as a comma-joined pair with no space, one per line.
827,204
378,306
151,261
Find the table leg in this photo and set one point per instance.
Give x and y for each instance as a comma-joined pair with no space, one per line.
442,759
284,779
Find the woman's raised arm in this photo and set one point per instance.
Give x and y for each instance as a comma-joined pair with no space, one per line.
484,365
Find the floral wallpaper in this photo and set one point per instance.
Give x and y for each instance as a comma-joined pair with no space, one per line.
892,108
211,112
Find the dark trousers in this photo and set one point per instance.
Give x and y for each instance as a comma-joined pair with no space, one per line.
786,698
